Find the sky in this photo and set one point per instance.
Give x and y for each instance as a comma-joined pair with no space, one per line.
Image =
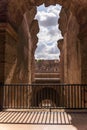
49,33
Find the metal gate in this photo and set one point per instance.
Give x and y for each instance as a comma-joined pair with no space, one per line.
27,96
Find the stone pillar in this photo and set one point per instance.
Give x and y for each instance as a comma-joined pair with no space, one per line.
63,27
8,41
72,57
82,20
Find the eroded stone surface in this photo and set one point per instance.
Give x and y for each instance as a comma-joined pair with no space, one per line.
73,25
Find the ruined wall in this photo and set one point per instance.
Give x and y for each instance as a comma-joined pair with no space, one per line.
72,51
18,34
47,66
72,21
73,24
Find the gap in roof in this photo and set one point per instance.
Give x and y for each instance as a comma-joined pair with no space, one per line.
49,33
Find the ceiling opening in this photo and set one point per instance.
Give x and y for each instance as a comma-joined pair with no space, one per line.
49,32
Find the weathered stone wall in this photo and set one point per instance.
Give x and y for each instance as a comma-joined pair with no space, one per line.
72,51
47,66
8,55
73,67
73,21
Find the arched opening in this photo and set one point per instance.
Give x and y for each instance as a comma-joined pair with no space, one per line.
49,32
46,97
47,52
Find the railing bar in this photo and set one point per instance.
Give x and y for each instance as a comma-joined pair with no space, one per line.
72,92
55,105
35,97
18,97
7,97
14,97
23,97
63,95
41,98
77,96
26,95
47,103
4,97
70,96
24,84
74,97
45,97
50,98
30,97
11,96
38,98
67,97
81,95
84,96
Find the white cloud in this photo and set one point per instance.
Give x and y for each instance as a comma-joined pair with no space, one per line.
49,32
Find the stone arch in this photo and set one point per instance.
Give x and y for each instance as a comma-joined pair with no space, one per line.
46,93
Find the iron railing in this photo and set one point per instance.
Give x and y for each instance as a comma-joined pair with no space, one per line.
26,96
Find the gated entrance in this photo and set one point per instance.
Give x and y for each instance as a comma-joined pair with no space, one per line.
26,96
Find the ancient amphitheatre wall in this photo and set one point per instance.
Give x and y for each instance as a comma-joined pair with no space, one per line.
18,18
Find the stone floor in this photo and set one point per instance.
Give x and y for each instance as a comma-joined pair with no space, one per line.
58,121
80,126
